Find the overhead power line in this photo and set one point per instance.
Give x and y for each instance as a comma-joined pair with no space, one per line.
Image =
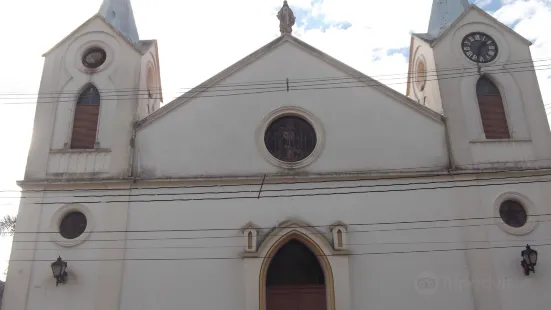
322,255
117,94
431,171
315,79
311,194
305,226
241,245
255,196
281,88
394,229
89,193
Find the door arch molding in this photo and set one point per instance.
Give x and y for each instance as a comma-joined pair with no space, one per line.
333,263
321,255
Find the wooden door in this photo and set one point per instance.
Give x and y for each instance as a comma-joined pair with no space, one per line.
296,297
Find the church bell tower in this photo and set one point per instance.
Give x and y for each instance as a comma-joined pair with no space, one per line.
479,74
105,79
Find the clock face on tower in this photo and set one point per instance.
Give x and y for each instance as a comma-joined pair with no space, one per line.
479,47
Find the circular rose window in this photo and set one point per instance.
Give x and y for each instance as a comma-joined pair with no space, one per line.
290,138
93,58
72,225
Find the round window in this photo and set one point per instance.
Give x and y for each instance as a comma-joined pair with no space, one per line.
513,213
421,74
290,138
93,58
72,225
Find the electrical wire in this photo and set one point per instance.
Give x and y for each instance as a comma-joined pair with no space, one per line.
255,196
317,254
283,88
329,78
241,246
361,224
305,226
15,240
440,171
279,189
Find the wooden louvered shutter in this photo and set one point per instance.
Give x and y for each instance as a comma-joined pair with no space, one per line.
492,112
85,123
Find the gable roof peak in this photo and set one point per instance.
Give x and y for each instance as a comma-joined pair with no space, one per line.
275,43
444,13
120,15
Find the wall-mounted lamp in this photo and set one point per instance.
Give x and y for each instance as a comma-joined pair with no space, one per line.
529,260
58,269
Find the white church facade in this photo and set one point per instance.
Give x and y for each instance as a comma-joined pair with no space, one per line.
289,180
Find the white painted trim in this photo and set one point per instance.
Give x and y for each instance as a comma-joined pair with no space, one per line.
58,216
97,15
412,74
72,122
195,92
296,111
110,56
513,168
483,13
501,141
516,119
98,150
528,206
420,58
338,263
462,31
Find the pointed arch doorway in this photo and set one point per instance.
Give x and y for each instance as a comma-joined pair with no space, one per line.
295,279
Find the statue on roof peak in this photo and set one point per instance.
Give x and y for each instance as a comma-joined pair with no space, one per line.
286,19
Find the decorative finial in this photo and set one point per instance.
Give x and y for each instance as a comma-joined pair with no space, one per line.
286,19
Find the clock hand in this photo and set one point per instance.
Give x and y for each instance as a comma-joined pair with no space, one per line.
478,57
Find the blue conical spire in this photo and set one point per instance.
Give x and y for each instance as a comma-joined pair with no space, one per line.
119,13
445,12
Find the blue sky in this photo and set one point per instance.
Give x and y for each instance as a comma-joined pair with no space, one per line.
489,6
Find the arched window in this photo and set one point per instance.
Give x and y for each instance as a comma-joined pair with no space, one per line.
85,121
492,112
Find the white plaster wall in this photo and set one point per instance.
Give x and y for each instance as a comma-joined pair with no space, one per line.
519,90
430,95
96,277
514,289
363,128
188,277
117,81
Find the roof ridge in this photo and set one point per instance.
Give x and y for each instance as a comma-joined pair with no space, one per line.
264,50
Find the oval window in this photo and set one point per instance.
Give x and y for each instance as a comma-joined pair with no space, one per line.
93,58
513,213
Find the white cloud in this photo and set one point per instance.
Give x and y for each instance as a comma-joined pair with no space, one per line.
533,18
515,11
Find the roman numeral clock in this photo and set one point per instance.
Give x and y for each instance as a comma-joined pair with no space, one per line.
479,47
